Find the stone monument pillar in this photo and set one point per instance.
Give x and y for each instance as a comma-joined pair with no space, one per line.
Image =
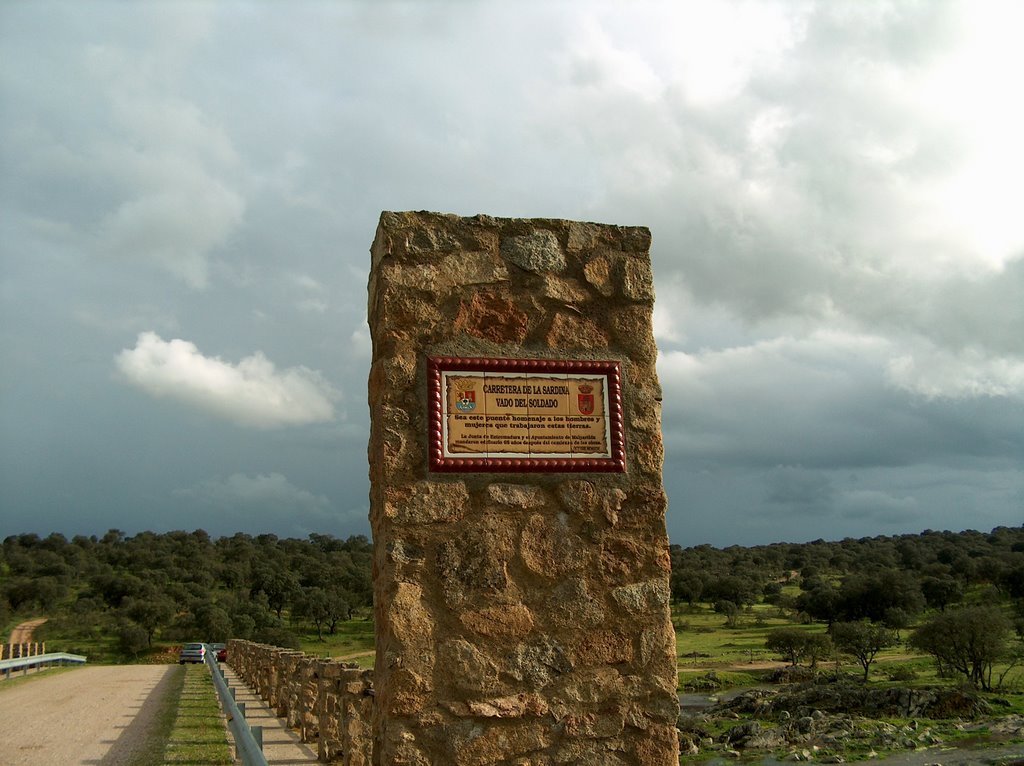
521,571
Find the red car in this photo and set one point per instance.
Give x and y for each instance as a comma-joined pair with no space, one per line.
219,651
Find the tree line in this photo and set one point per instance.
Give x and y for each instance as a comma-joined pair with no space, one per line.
961,594
183,585
876,574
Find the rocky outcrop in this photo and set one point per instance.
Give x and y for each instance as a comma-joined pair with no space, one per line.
830,722
861,700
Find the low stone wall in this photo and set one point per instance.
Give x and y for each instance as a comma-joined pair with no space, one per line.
329,702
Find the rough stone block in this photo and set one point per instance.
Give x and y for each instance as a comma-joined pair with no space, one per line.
536,252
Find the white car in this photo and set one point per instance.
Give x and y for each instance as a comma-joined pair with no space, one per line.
192,653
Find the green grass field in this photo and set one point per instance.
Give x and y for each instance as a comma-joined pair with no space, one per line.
354,637
704,642
198,734
703,639
738,655
65,634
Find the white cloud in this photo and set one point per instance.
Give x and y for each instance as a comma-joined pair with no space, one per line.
820,400
176,227
260,497
361,343
261,488
841,167
251,393
170,168
306,282
313,306
313,300
666,326
937,373
970,84
594,61
126,319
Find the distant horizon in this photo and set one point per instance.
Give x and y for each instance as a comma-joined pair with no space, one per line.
367,535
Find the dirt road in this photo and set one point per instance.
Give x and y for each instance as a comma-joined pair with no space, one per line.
93,715
22,633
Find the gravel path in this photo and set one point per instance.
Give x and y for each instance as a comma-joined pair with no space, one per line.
100,716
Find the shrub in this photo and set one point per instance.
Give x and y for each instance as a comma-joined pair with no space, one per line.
901,673
277,637
132,639
794,644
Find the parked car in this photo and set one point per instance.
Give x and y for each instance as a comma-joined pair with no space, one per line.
219,651
192,653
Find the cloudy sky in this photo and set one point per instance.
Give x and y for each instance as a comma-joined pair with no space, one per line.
188,192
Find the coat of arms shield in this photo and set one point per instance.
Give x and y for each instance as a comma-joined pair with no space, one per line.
585,399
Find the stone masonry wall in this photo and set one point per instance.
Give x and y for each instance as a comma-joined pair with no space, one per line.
522,618
326,701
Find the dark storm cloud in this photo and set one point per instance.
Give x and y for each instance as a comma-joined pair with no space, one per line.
191,190
798,490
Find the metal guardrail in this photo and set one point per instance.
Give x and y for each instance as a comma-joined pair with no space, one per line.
53,658
248,739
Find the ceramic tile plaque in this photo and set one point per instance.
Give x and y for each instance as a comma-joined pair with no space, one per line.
528,415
